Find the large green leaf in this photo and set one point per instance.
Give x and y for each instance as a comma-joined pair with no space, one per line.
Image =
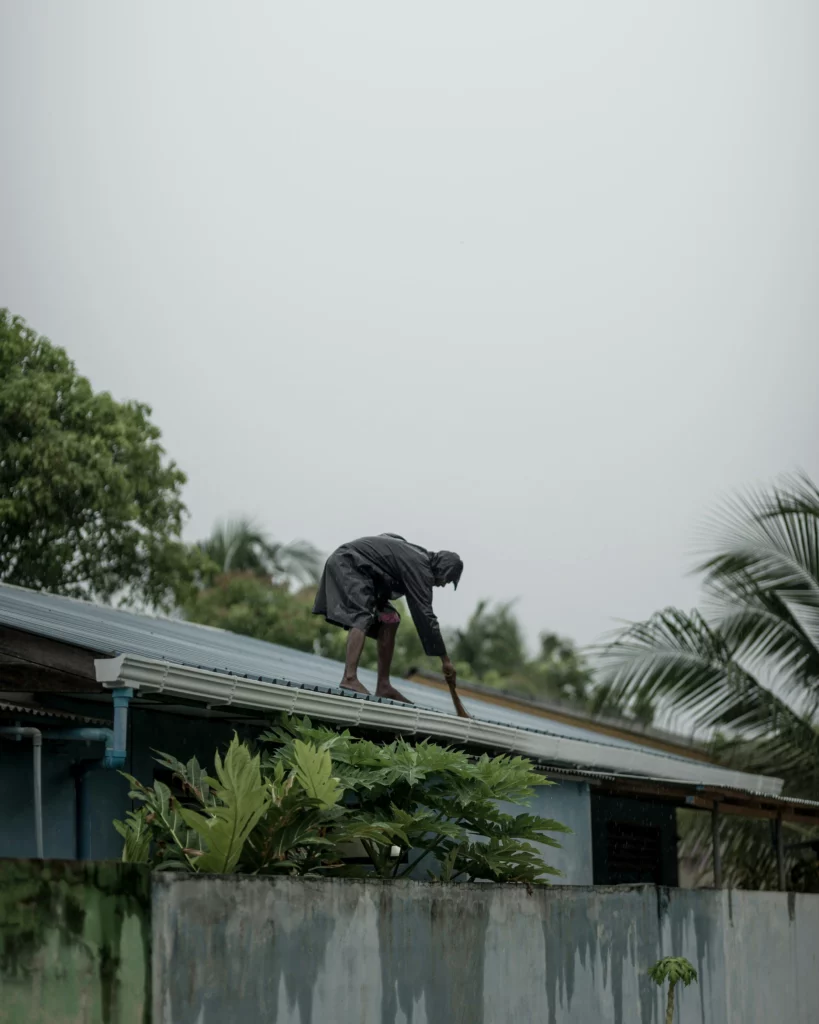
138,835
243,798
193,777
314,771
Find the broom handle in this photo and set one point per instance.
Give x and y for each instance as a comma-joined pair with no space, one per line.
460,710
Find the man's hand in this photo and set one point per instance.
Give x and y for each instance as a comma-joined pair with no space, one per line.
450,674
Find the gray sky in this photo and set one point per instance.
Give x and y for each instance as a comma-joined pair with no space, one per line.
536,281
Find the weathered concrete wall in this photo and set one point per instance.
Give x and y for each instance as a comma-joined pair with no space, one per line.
290,951
74,943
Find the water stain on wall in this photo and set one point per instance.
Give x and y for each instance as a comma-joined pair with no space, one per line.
432,949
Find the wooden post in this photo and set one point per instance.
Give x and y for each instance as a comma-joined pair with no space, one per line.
780,854
716,846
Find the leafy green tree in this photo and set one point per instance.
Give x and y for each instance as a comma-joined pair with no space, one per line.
747,669
239,545
673,969
491,641
89,505
491,648
247,604
559,671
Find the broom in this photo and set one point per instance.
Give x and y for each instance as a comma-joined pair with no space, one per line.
452,683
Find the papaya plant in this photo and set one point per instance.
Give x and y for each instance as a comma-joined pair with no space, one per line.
314,792
288,819
440,805
673,969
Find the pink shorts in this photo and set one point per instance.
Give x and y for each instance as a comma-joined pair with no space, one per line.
391,618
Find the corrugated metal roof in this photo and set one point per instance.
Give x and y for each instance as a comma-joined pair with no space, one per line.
554,708
111,631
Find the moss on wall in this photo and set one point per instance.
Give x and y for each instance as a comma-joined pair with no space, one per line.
74,943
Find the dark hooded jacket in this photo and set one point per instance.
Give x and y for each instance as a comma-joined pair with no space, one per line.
362,577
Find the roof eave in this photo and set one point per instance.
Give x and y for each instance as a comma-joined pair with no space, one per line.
217,689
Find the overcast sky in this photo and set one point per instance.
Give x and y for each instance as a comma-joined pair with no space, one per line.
535,281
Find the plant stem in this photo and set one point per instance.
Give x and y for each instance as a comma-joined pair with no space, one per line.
669,1012
368,849
418,860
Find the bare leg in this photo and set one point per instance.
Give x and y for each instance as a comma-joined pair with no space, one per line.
386,647
355,645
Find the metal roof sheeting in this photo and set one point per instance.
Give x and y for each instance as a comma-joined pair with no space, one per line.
111,632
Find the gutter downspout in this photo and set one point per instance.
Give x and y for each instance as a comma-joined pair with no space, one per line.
115,741
19,732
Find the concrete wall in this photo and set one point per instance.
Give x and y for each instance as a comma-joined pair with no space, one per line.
289,951
74,943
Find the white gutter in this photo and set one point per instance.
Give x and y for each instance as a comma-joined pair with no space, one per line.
220,690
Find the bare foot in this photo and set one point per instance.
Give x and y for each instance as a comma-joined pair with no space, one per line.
353,684
389,691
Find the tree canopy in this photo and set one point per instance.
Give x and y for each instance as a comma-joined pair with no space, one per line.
89,504
491,648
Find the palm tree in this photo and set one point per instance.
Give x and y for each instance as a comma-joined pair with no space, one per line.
239,545
746,668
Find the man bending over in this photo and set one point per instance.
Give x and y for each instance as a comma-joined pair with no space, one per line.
358,583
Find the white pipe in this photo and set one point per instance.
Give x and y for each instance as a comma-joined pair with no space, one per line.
219,690
36,737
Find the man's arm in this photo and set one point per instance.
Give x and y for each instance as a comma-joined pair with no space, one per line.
419,601
426,622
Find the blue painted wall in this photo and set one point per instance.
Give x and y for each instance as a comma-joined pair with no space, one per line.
570,804
108,790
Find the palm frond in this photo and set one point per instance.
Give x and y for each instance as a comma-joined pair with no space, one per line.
241,545
748,852
763,581
749,667
298,560
236,545
680,660
768,537
768,633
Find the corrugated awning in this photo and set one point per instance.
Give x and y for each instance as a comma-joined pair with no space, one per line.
748,803
17,710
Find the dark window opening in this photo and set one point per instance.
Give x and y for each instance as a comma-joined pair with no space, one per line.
634,841
634,852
